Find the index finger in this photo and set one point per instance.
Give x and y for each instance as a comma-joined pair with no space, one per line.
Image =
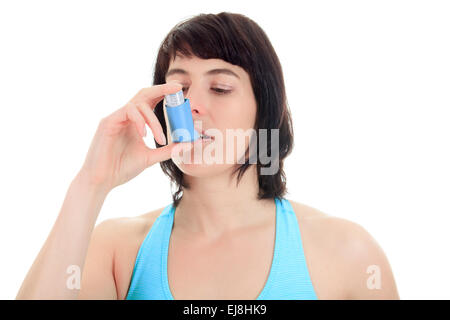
152,95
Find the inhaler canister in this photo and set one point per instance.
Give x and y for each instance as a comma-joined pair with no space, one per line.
180,118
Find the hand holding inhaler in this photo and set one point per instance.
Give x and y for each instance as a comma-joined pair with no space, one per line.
118,153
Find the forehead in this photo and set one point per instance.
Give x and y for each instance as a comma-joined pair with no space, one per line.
195,64
184,60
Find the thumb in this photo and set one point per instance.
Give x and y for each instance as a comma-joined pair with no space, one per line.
167,152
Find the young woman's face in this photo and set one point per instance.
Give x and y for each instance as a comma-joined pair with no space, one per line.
222,100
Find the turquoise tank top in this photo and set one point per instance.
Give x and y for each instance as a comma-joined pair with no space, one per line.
288,277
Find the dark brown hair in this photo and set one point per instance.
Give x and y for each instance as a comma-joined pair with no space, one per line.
238,40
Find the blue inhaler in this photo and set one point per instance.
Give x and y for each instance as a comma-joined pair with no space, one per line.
180,118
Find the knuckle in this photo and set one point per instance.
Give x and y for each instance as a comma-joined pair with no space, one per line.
103,122
139,105
130,104
131,110
142,106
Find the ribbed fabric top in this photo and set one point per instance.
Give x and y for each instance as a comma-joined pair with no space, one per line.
288,277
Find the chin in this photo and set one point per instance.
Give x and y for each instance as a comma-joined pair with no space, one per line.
203,170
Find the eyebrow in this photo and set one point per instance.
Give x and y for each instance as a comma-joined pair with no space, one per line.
208,73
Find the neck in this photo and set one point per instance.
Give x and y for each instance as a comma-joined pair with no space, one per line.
215,206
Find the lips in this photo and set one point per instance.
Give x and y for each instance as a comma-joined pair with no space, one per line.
203,133
206,137
198,127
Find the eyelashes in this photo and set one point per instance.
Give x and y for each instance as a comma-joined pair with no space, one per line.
220,91
217,91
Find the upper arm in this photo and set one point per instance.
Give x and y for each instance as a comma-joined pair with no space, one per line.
365,268
97,281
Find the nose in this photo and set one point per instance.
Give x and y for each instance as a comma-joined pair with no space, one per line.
195,99
198,110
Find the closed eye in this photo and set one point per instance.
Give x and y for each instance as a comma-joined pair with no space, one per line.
218,91
221,91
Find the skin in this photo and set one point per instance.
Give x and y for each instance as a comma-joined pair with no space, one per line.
222,242
337,263
214,206
217,225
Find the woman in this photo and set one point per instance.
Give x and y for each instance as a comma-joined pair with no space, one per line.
230,233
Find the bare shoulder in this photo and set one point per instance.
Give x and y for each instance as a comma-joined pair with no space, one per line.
124,236
304,211
127,228
125,232
344,259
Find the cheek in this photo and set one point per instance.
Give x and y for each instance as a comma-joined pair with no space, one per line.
237,114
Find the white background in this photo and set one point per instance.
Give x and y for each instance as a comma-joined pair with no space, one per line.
368,84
